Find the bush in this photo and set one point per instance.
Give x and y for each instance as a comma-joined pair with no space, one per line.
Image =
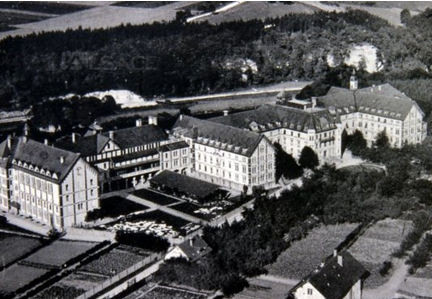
286,165
234,284
308,158
356,143
385,268
421,255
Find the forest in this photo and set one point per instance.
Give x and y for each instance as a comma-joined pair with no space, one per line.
176,59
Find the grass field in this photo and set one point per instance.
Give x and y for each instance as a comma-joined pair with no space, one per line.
59,253
305,255
12,18
377,244
13,247
18,276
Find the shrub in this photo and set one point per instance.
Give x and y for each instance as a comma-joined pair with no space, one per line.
286,165
421,255
356,143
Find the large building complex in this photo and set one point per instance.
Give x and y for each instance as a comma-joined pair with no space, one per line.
53,186
375,109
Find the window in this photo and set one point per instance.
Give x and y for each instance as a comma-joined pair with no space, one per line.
309,291
67,187
91,182
91,192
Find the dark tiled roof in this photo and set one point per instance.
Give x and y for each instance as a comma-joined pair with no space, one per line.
184,184
195,248
135,155
136,136
270,117
87,146
173,146
44,157
383,100
333,280
218,135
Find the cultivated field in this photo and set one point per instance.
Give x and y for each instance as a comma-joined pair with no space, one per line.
59,253
112,262
163,292
18,276
60,291
13,247
305,255
377,244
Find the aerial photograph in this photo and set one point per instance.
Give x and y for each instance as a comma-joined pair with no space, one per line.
216,149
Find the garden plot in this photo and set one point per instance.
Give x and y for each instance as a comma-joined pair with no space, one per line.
377,244
60,291
112,262
305,255
59,253
14,247
164,292
17,277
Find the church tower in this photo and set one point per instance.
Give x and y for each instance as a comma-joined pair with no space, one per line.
353,85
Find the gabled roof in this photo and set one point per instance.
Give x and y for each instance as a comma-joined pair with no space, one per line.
270,117
44,157
224,137
333,280
173,146
87,145
382,100
194,248
136,136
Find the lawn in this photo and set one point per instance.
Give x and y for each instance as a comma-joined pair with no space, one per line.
59,253
13,247
112,262
305,255
18,276
154,197
377,244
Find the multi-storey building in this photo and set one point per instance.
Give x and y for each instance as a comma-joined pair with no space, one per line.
176,157
53,186
226,155
123,157
375,109
292,128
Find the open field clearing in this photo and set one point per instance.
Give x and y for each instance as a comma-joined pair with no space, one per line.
305,255
377,244
258,10
59,253
415,287
100,17
13,247
43,7
18,276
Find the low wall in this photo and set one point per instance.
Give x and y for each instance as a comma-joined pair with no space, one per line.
90,235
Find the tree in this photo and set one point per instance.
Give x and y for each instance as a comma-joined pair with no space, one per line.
357,144
286,165
382,140
405,16
308,158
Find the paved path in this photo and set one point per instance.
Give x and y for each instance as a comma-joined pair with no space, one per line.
389,289
278,279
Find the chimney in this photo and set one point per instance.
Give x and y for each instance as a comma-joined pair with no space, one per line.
225,112
181,117
26,130
314,102
46,141
25,138
340,260
335,252
111,134
9,142
62,159
138,122
191,241
73,137
152,120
